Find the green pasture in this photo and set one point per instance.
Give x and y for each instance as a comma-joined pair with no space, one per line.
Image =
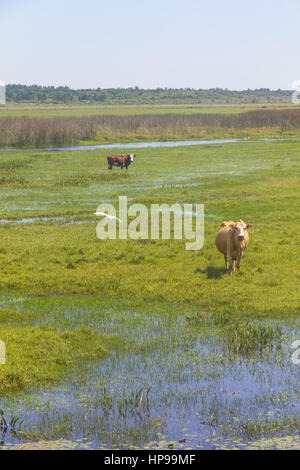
69,299
60,253
40,111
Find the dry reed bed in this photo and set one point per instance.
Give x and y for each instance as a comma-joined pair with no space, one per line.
39,132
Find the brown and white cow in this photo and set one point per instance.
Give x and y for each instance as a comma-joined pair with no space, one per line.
231,240
120,160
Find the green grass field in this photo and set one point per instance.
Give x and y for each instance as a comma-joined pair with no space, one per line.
143,298
254,181
39,111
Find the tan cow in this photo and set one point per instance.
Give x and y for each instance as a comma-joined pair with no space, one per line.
231,240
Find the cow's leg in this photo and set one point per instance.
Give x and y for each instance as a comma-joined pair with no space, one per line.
226,262
231,265
239,260
229,257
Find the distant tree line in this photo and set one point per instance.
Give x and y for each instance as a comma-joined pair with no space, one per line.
39,132
135,96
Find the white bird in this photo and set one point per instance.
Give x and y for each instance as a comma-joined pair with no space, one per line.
107,215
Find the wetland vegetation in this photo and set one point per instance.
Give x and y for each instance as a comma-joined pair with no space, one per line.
34,130
141,344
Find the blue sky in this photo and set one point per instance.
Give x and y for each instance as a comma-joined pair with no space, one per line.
231,44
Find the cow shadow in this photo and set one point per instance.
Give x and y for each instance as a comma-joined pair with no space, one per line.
214,272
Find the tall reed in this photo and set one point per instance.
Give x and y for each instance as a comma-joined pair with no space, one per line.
60,131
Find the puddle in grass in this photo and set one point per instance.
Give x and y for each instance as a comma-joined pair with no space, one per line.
32,220
153,144
65,221
137,145
176,386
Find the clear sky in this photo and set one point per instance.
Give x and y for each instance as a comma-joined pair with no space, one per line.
231,44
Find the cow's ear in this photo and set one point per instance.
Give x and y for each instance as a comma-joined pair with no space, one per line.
249,225
232,224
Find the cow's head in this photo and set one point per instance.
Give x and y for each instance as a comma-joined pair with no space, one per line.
131,157
239,229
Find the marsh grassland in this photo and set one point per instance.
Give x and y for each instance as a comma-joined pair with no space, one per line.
63,127
142,344
38,111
